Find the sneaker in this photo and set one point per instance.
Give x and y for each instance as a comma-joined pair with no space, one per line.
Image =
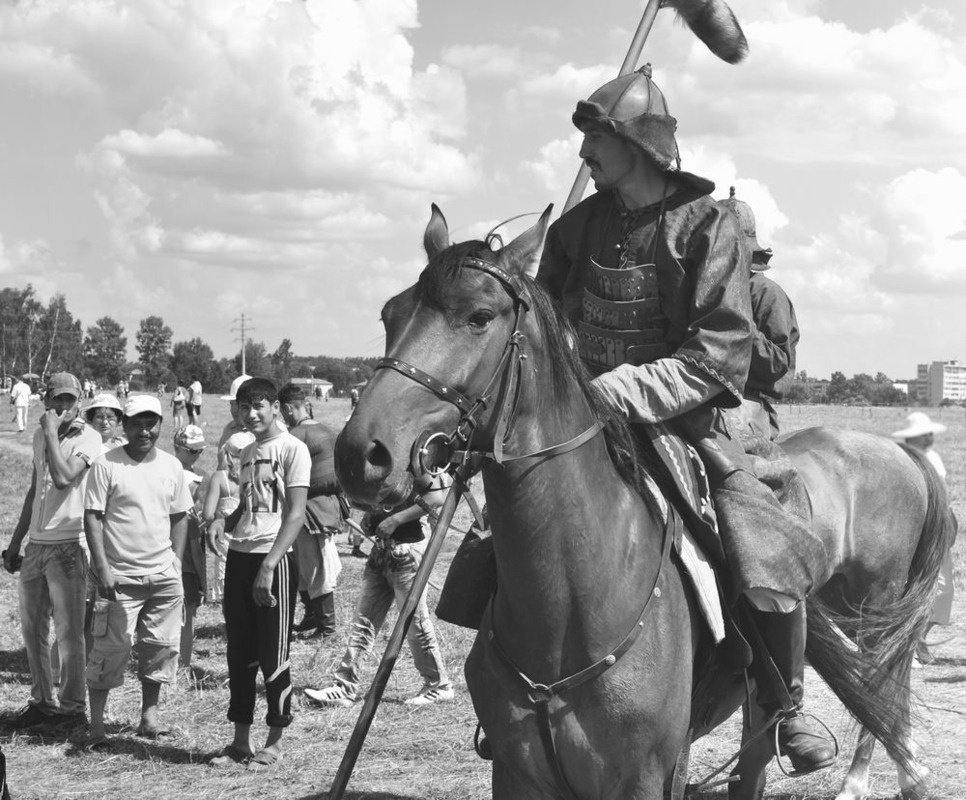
30,716
431,694
334,695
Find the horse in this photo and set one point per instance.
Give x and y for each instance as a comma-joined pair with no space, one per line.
587,670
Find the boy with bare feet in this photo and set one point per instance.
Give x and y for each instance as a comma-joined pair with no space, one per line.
261,576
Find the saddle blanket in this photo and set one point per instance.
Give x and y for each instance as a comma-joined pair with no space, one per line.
698,569
684,468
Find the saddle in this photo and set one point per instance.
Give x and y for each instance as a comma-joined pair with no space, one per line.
677,476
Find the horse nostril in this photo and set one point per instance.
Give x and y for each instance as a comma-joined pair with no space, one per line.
378,458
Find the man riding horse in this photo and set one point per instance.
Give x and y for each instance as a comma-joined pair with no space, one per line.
654,275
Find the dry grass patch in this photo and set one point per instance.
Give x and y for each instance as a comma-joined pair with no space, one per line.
410,752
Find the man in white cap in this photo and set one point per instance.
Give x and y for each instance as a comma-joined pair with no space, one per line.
920,433
53,578
135,516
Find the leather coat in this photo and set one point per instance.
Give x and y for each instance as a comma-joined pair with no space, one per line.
773,352
702,273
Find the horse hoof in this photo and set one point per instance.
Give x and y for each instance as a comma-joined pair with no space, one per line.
918,791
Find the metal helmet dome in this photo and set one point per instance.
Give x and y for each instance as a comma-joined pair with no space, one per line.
631,95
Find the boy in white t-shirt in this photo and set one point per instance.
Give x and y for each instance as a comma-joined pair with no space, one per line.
261,576
135,516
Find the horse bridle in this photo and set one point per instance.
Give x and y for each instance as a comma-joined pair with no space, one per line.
455,446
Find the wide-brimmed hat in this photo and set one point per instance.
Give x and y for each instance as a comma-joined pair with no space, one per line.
918,424
103,400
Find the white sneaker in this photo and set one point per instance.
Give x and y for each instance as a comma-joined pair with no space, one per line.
431,694
335,695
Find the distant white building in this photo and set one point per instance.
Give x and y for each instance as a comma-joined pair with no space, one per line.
941,380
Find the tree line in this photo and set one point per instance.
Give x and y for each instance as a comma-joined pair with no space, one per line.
38,339
861,389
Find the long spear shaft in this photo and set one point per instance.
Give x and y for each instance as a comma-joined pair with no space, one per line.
629,65
393,648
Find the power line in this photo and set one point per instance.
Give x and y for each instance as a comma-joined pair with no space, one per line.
244,325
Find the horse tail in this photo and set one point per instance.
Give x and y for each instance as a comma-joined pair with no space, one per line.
872,681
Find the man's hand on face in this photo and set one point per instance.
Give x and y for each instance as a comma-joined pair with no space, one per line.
51,419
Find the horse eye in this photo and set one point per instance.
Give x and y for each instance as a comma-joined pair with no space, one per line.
480,319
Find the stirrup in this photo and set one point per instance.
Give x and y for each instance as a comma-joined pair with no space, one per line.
792,713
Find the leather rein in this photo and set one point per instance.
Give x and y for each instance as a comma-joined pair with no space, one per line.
457,444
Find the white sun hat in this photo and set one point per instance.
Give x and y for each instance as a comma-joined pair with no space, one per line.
918,424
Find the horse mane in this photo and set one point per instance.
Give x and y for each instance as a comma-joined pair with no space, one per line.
567,371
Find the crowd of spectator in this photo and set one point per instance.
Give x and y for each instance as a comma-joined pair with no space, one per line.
114,536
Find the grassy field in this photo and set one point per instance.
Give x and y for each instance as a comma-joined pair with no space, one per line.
410,753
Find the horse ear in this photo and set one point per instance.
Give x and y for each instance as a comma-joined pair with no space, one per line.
436,238
523,253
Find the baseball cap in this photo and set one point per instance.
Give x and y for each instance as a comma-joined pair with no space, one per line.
235,386
63,383
190,437
142,404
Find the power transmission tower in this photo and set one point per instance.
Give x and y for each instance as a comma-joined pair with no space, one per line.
244,325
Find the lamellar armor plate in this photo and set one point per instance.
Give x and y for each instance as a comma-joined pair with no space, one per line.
621,320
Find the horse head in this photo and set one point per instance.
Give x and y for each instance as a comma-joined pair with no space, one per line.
454,359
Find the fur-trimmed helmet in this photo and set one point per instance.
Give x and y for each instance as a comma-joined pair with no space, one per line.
634,108
746,222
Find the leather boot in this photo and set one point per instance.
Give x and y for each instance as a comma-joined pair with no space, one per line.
316,615
808,747
309,618
327,614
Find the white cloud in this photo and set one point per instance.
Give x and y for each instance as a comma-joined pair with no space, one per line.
487,60
556,164
817,90
567,82
290,100
921,215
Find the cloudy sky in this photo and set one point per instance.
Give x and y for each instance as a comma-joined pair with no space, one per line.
200,160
